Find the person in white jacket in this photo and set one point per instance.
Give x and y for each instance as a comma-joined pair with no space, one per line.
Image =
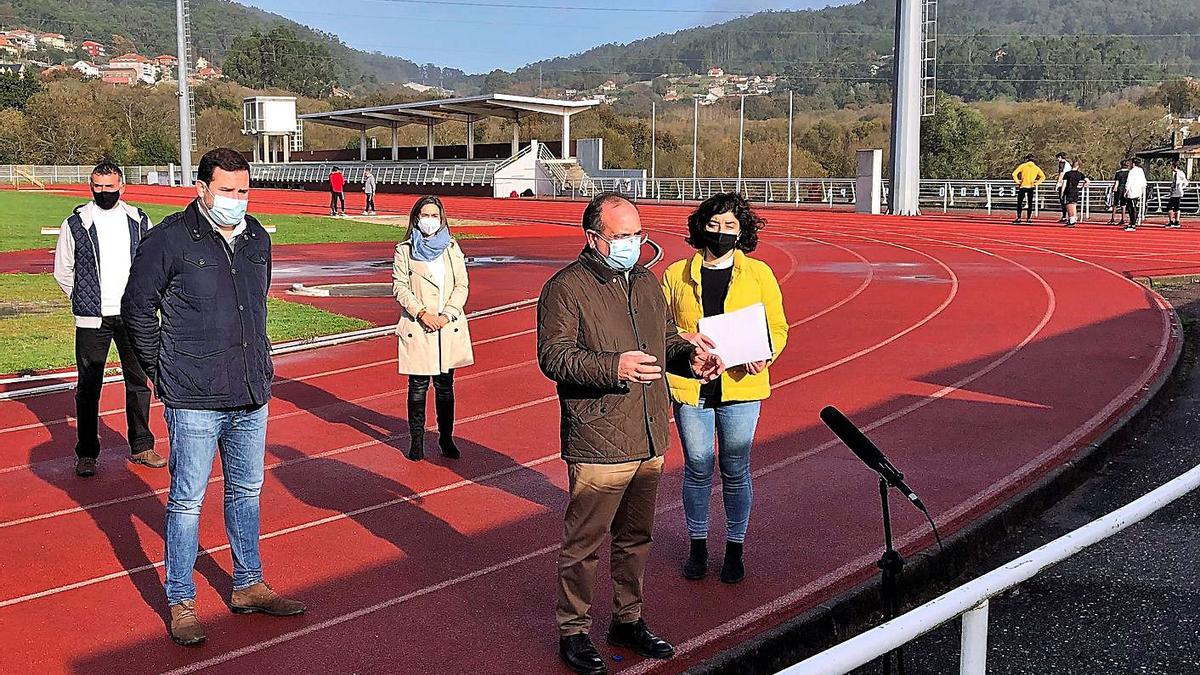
95,250
1179,183
1135,193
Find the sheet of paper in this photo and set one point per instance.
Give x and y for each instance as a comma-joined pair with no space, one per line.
741,336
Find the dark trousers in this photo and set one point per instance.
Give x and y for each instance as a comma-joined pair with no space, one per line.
1135,210
1025,195
336,199
91,356
1062,201
370,201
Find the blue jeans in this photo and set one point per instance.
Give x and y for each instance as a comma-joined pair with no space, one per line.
733,424
196,436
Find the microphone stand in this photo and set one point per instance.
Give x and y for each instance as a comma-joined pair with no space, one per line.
891,564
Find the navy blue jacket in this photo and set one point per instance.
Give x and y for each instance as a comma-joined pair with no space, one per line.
210,349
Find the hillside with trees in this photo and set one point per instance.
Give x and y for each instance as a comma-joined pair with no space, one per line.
218,27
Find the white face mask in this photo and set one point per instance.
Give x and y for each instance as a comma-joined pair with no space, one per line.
429,225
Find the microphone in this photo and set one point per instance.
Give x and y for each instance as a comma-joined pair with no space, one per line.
867,451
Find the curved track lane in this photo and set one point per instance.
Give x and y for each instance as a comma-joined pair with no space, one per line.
978,355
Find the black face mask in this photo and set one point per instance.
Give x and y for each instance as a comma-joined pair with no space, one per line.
719,243
106,200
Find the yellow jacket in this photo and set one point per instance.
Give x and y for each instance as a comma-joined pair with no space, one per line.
1029,175
752,282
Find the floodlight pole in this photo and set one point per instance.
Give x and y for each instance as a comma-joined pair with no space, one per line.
906,111
185,118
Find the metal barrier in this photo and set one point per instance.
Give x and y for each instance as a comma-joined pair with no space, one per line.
935,195
435,172
970,601
75,175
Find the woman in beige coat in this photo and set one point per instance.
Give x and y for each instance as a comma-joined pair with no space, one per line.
429,280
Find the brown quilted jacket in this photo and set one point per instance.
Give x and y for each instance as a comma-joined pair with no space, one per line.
588,315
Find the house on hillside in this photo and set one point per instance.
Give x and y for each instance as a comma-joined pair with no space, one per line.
609,85
56,71
122,74
716,72
22,39
166,62
146,69
672,94
54,41
338,92
87,68
17,69
7,47
94,49
209,73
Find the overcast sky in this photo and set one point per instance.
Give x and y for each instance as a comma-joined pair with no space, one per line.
480,35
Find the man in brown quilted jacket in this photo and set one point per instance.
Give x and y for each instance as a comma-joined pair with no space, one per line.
605,336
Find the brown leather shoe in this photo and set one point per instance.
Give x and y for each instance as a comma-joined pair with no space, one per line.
185,627
85,467
260,598
148,458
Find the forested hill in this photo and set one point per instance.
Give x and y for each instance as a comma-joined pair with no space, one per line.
1021,49
150,26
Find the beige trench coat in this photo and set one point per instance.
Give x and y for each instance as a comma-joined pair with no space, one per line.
423,353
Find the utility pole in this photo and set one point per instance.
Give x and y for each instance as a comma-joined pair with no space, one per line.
653,140
695,138
789,188
741,139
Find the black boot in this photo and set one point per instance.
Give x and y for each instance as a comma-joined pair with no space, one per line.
696,566
444,408
732,570
416,427
580,655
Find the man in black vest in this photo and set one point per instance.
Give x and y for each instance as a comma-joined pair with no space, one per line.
95,249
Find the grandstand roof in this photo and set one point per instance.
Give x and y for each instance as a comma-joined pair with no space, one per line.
466,109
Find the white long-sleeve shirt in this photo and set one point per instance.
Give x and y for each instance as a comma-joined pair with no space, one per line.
1135,184
1179,184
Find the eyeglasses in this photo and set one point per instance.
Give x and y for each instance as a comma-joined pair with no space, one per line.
639,237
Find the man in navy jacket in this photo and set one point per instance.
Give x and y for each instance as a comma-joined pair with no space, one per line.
196,308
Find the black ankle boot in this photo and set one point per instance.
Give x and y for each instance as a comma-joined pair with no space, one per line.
696,566
733,570
444,409
416,428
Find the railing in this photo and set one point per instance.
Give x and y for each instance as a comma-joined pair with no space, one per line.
935,195
970,601
990,196
74,175
562,182
435,172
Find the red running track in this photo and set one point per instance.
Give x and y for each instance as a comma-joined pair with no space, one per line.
980,356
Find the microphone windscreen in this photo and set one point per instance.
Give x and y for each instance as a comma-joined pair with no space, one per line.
854,439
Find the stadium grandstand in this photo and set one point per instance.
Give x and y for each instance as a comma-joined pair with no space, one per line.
479,169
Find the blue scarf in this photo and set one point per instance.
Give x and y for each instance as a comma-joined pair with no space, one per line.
427,249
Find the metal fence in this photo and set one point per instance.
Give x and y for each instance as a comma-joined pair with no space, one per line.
31,174
435,172
970,601
989,196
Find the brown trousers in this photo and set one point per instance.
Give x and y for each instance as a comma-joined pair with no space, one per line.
606,498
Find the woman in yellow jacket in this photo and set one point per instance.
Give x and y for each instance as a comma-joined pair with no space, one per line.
721,278
429,280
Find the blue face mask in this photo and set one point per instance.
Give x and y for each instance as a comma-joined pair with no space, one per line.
623,253
227,211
